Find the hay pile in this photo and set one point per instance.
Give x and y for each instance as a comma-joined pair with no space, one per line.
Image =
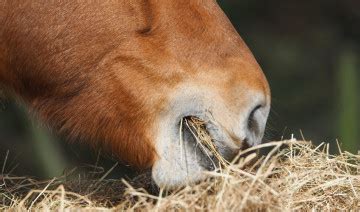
294,175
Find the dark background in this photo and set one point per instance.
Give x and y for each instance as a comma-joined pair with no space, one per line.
309,51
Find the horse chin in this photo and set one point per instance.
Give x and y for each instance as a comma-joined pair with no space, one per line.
178,163
169,176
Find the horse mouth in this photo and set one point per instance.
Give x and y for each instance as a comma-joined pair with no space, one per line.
207,140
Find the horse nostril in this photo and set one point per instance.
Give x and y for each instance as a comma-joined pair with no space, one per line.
252,123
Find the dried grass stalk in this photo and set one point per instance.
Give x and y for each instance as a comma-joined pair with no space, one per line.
295,175
198,129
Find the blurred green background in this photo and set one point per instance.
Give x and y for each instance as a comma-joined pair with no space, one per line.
310,52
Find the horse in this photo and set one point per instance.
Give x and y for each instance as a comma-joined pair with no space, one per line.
123,74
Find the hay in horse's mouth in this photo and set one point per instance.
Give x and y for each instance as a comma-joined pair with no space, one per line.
198,129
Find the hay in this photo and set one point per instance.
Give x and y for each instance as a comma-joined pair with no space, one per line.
197,127
294,175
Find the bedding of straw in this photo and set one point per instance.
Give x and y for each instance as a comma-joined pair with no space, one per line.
293,175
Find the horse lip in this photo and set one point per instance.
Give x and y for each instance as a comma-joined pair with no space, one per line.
220,139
